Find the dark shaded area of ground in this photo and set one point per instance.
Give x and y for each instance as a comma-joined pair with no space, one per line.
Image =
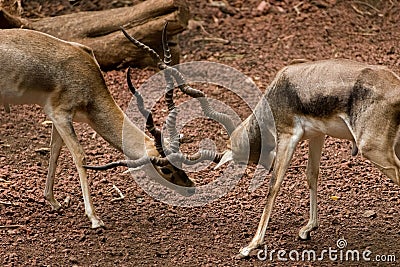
142,231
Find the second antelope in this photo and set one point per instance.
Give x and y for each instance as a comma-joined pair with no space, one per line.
340,98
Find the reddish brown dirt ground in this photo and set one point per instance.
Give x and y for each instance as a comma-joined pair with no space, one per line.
142,231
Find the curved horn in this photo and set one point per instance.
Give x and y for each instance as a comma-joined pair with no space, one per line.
167,52
124,163
204,155
177,158
171,119
205,105
169,93
170,73
199,95
155,132
151,52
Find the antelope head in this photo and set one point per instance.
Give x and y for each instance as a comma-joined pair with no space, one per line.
254,140
157,151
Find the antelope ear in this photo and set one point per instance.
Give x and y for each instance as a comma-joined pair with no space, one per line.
225,158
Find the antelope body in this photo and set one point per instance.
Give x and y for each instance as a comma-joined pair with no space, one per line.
339,98
65,79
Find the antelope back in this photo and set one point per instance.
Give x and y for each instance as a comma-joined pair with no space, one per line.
35,66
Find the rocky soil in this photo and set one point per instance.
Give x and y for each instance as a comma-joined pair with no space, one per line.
356,202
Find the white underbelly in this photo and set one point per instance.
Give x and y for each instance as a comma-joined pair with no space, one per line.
334,126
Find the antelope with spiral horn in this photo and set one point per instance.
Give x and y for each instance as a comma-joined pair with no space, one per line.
65,79
306,101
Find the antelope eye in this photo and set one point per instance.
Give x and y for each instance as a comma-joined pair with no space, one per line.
166,171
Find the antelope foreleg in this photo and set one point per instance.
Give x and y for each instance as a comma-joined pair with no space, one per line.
64,126
315,149
285,149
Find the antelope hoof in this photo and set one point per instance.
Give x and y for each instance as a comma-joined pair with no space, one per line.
97,223
244,253
304,236
55,206
305,233
240,256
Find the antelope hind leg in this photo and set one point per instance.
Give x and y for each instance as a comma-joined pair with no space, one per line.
56,144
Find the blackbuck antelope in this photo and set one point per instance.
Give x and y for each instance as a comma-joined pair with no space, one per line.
65,79
340,98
